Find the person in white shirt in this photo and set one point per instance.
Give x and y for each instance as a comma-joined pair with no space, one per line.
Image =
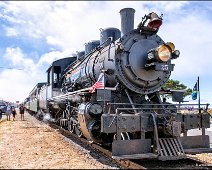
8,112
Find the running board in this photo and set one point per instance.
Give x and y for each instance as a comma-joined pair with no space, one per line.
168,149
137,156
198,150
132,149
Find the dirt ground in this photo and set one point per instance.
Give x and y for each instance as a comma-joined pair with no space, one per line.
31,144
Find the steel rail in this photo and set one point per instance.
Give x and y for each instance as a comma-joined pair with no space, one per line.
157,104
123,163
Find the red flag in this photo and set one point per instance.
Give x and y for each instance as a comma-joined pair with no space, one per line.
100,83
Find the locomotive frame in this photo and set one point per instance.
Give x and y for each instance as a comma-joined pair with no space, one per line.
127,112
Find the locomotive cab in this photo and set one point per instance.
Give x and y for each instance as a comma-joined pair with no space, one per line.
54,84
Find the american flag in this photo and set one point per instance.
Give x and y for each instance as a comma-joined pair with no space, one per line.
100,83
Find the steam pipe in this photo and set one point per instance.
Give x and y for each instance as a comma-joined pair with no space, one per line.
127,20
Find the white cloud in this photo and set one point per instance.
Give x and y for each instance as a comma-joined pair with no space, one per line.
172,6
193,37
16,84
15,57
71,24
53,41
48,58
11,32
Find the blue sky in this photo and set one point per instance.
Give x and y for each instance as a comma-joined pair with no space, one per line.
34,33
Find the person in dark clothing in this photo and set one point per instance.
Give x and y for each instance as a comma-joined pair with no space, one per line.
22,112
13,113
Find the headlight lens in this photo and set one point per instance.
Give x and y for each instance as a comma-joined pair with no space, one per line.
164,53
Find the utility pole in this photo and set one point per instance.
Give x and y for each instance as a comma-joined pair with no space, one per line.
201,123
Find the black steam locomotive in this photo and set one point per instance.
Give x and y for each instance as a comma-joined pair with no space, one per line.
111,94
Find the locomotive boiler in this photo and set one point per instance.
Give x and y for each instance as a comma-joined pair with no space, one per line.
140,60
110,94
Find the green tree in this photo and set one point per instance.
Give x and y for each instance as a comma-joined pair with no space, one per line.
176,85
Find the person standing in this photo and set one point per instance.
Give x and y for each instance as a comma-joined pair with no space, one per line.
22,112
8,112
13,112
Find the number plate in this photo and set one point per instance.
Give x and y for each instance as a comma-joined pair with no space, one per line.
164,67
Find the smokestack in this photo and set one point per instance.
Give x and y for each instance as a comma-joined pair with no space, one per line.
127,20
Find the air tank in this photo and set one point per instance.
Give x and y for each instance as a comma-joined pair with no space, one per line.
80,55
113,33
91,45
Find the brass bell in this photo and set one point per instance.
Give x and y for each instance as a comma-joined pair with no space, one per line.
155,22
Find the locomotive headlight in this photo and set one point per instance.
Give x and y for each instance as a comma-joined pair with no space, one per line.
164,53
157,58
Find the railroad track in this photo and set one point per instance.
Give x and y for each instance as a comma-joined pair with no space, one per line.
123,163
188,163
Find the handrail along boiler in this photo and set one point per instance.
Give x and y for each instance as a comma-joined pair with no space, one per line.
126,112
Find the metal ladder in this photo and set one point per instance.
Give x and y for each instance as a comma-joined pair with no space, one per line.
171,149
